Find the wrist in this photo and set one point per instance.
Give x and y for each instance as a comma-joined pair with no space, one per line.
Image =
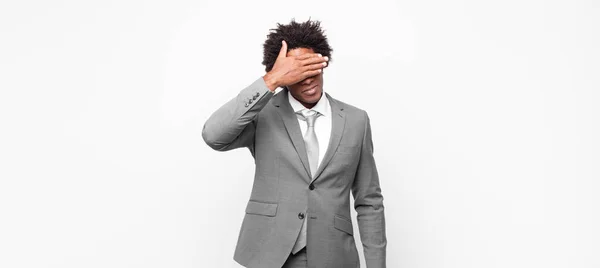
271,82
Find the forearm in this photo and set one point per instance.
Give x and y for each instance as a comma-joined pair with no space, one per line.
230,126
371,224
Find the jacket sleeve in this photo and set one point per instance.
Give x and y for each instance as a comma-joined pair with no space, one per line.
233,125
368,203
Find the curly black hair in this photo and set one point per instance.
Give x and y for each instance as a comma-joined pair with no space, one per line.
306,35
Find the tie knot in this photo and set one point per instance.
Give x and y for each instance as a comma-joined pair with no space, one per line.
309,116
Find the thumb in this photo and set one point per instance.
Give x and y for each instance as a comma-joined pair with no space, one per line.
283,51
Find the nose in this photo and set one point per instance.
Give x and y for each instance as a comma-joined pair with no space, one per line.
308,80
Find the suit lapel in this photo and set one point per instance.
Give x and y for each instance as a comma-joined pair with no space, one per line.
291,126
337,128
293,129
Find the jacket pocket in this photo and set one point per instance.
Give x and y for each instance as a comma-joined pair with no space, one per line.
343,224
261,208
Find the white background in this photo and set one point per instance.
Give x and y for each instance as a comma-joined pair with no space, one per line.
485,123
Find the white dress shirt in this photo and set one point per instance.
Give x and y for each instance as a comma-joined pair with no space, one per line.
322,123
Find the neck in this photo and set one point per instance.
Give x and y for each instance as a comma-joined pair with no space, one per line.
308,105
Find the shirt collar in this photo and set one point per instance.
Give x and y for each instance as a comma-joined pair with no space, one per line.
322,105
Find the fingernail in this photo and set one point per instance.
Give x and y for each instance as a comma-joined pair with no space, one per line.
320,55
326,58
324,63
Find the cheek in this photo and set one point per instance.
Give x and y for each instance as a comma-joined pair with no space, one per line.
294,90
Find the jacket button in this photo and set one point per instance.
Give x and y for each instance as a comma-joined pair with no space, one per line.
300,215
256,95
246,104
311,187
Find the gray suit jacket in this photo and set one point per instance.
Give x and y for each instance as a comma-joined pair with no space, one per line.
282,193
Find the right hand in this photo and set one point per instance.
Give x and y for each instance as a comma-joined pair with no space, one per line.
290,70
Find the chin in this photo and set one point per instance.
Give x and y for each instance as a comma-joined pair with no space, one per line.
313,98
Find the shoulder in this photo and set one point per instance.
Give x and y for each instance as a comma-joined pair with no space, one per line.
352,112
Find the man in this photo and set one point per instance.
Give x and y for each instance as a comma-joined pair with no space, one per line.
310,151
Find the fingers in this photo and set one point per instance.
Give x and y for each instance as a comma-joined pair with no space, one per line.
312,73
283,50
314,66
315,60
308,56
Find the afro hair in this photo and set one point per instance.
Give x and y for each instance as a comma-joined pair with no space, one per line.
297,35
